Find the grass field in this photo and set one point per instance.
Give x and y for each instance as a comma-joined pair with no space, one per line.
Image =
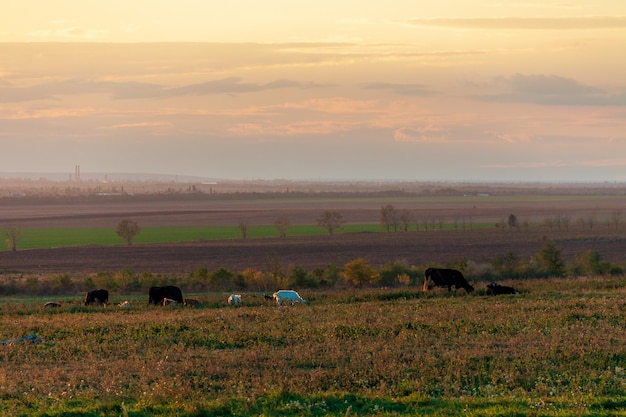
41,238
557,349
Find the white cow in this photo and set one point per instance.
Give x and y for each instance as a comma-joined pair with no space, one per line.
234,300
125,304
288,295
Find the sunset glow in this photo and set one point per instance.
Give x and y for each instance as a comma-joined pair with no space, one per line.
402,90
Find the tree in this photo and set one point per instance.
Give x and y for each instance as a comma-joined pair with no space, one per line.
616,217
281,224
13,234
389,217
243,228
360,272
512,221
331,221
127,230
406,218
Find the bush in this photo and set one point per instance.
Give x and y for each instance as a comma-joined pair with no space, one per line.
549,260
360,272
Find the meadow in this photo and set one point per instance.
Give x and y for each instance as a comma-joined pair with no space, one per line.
557,349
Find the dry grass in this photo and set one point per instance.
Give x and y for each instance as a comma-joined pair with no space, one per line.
557,346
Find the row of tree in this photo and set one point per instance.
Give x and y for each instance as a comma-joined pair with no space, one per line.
391,218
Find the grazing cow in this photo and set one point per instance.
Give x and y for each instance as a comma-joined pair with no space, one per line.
438,277
287,295
157,294
268,297
125,304
495,289
191,302
97,296
169,301
234,300
52,304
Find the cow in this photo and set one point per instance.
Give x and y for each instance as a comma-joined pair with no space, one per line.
495,289
157,294
125,304
440,277
234,300
287,295
97,296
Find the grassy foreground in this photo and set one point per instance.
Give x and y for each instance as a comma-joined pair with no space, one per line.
557,349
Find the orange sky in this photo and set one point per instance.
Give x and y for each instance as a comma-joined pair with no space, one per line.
520,91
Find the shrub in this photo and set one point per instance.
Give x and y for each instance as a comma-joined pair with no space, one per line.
360,272
549,259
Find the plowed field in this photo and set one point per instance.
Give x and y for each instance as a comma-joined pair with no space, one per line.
413,247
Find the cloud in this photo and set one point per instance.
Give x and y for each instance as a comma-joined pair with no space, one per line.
403,89
232,85
525,23
426,134
140,90
552,90
142,125
70,33
559,163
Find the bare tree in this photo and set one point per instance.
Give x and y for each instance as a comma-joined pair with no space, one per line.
243,228
127,230
13,235
591,220
455,222
389,217
616,217
406,218
331,221
281,224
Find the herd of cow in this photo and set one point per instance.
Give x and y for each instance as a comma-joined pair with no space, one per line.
169,294
453,279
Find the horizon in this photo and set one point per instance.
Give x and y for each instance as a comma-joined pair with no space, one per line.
521,92
139,177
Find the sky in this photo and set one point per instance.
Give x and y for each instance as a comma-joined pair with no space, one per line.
452,90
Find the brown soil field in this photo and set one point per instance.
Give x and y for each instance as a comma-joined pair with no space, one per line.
412,247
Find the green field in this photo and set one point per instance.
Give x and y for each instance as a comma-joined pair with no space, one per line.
60,237
557,349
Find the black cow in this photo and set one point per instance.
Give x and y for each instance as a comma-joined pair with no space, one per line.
495,289
157,294
97,296
438,277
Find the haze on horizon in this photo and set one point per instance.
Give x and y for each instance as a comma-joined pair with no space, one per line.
402,90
